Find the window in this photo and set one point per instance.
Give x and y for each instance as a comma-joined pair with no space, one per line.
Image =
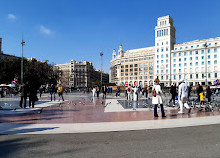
157,56
140,65
131,69
166,49
166,71
162,50
179,65
203,63
179,59
175,48
135,69
126,66
174,77
166,65
216,43
184,59
191,46
202,57
174,60
191,76
167,42
162,43
185,53
191,64
197,58
161,71
209,62
131,65
190,58
174,55
179,54
215,56
203,75
197,76
161,61
122,66
208,50
197,63
191,53
215,50
157,44
174,65
162,56
135,65
179,70
180,48
216,75
197,52
185,64
209,75
186,47
158,71
145,64
146,68
209,56
179,76
215,62
166,55
202,51
174,70
157,50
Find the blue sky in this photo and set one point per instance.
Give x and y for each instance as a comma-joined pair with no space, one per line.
71,29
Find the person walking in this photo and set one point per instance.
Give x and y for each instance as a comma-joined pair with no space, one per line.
97,91
157,98
118,91
135,94
23,90
104,91
93,91
129,92
189,91
60,92
183,96
208,94
41,90
173,93
32,95
52,90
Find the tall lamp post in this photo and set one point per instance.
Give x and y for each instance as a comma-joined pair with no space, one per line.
206,76
22,63
101,54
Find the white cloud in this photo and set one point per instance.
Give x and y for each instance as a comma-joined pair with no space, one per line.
11,17
45,30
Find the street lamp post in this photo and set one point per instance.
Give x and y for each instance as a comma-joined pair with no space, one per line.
101,54
206,76
22,63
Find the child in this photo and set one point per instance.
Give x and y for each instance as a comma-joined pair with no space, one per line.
202,98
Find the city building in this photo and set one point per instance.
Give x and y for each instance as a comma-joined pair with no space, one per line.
134,67
195,61
79,74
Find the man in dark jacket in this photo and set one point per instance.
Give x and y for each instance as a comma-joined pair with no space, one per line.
23,91
173,93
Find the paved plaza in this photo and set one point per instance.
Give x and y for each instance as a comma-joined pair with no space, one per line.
84,126
82,113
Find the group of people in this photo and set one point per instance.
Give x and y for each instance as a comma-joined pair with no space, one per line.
104,90
53,90
28,90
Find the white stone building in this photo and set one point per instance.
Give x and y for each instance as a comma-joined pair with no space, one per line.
196,61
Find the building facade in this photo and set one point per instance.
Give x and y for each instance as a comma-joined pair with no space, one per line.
79,74
133,67
195,61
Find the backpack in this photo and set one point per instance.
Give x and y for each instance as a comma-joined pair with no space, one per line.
154,93
128,89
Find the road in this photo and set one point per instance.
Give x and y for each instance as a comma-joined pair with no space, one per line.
185,142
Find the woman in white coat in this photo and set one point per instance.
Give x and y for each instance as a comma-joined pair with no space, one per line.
93,92
158,98
135,97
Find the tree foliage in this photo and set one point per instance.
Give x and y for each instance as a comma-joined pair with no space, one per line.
35,72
